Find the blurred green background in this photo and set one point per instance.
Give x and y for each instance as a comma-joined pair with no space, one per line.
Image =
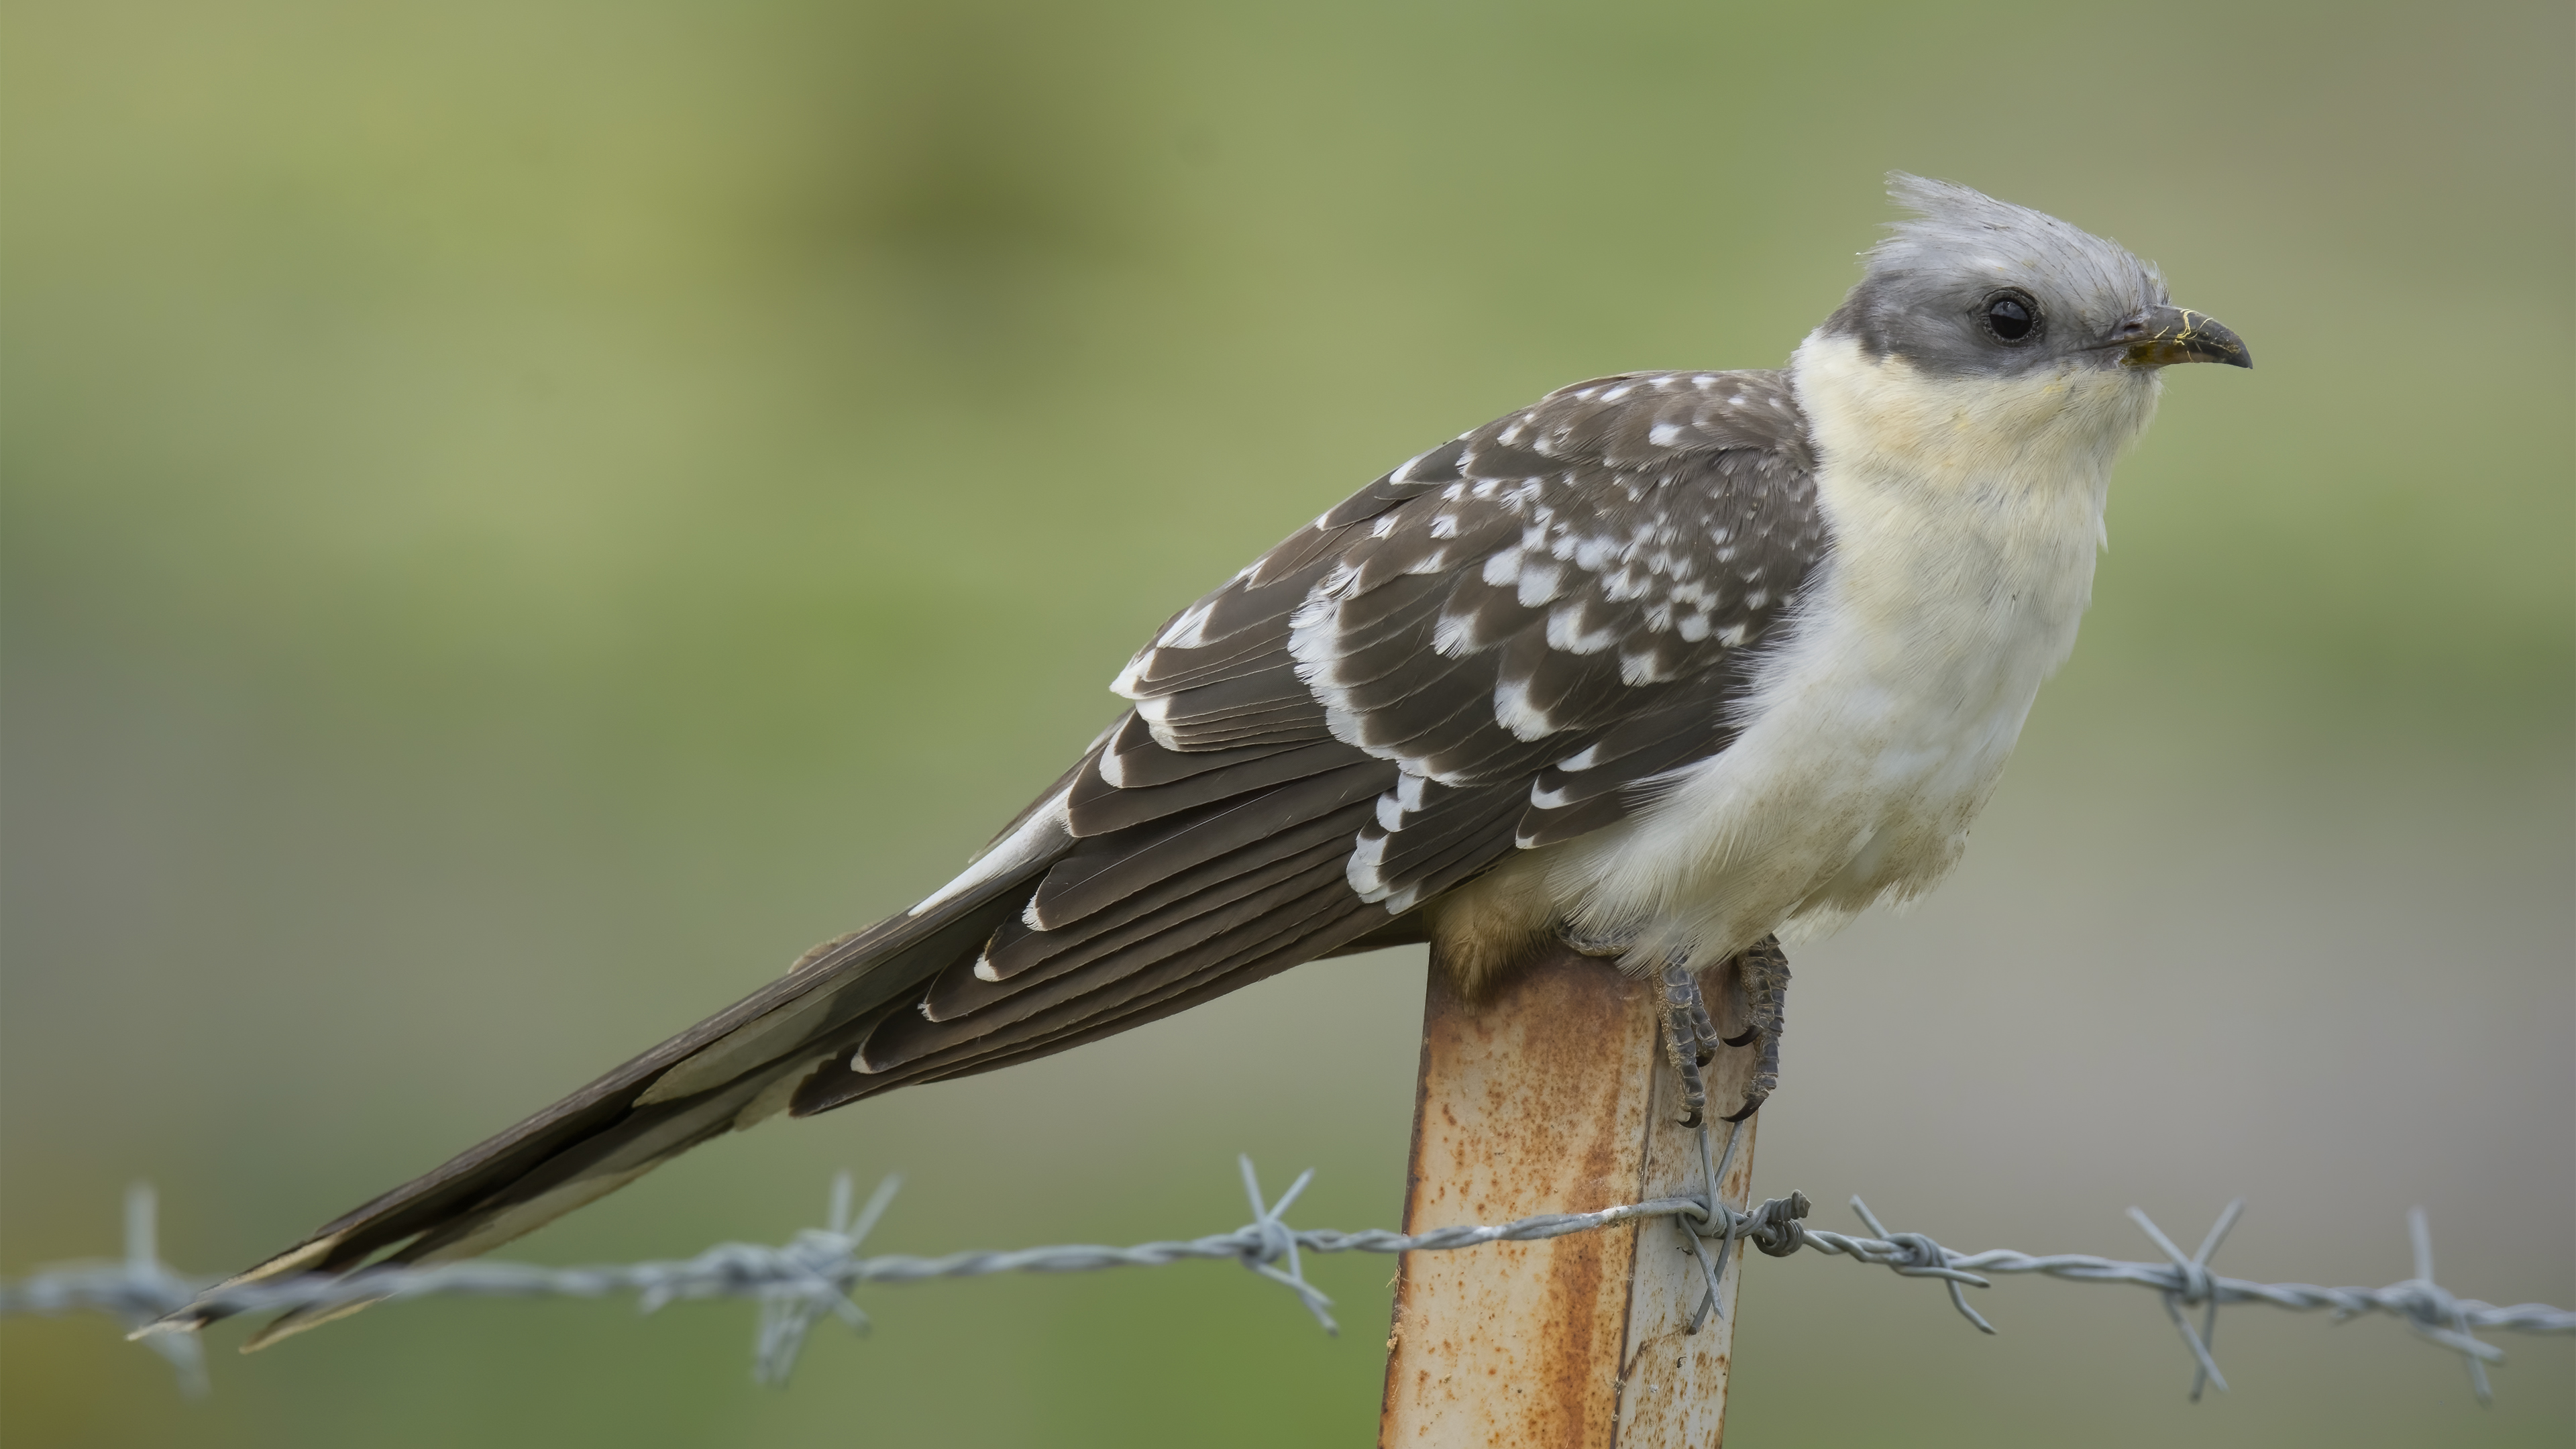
520,517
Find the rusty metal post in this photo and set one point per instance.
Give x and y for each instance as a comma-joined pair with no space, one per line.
1552,1096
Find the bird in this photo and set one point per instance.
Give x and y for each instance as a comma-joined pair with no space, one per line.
1665,666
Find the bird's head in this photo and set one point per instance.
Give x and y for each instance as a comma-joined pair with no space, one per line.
1974,287
1987,336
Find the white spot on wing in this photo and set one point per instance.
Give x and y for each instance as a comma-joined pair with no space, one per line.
1451,635
1643,668
1514,712
1185,632
1125,684
1038,836
1362,870
1539,583
1565,632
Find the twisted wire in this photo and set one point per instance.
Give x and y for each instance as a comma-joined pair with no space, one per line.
812,1275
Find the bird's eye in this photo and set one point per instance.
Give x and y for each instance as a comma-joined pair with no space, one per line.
2012,316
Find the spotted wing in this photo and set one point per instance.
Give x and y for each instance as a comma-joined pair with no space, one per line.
1533,623
1503,644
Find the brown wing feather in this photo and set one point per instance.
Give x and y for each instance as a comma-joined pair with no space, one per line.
1016,950
1330,922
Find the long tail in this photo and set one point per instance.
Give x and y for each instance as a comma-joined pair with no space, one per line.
1083,920
730,1071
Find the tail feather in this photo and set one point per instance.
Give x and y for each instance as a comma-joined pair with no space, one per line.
729,1071
576,1178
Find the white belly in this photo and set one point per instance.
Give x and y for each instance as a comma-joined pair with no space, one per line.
1965,523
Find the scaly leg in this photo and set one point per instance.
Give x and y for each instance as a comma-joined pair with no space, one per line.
1690,1037
1765,972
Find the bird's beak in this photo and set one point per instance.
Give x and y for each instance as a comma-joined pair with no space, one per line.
2161,336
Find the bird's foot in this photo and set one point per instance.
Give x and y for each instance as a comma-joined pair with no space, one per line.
1690,1036
1764,969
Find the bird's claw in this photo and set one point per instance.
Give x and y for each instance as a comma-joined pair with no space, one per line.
1764,970
1691,1038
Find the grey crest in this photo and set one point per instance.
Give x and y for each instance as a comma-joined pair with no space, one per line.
1929,283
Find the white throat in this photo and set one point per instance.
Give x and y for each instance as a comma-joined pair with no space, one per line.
1966,512
1995,449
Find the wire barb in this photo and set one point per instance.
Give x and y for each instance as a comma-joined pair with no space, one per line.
1714,1219
158,1283
812,1286
2439,1316
1275,1242
2193,1286
1915,1255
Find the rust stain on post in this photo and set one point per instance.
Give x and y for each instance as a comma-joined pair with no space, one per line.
1673,1384
1552,1097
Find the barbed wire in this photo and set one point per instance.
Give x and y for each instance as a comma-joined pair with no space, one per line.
811,1276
